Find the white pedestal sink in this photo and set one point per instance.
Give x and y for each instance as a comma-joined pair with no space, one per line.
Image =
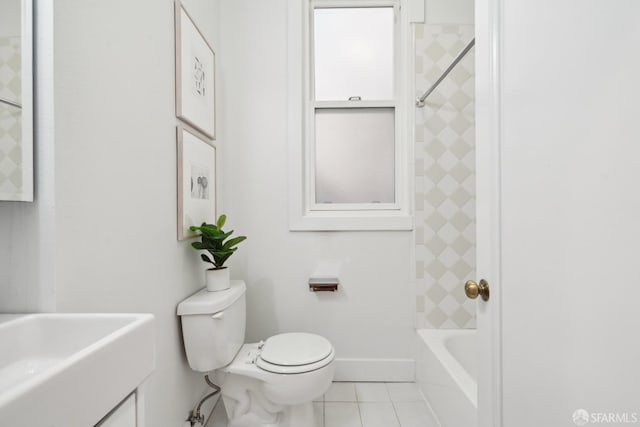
70,370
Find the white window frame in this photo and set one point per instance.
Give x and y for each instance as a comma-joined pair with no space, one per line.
304,212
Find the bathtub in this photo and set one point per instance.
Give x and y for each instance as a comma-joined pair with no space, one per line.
446,372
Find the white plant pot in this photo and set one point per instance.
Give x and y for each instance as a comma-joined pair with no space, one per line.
218,280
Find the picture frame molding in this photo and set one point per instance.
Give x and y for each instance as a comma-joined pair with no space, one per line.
180,132
179,90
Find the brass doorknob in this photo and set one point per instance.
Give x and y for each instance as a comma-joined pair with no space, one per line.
473,289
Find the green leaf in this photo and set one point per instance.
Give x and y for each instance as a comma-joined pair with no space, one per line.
220,237
205,258
221,220
198,245
233,242
221,256
210,230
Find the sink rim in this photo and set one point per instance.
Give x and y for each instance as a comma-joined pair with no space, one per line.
66,362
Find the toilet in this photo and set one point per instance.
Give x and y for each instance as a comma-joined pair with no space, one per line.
270,383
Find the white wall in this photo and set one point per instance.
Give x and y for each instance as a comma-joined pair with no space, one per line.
26,252
372,314
115,180
459,12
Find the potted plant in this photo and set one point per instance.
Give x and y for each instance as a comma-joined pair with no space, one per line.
220,246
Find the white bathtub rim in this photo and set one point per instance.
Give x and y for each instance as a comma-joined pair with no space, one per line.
435,340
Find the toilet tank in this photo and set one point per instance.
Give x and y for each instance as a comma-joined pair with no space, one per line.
213,325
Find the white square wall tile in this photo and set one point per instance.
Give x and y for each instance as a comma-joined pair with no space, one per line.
378,414
404,392
341,414
341,392
414,414
372,392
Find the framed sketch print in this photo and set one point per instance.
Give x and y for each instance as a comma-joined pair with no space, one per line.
196,182
195,75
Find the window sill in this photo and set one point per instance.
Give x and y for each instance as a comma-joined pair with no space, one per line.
351,221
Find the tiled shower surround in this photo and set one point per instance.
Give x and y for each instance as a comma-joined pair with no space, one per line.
444,179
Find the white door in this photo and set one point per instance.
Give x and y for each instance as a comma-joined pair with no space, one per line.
559,211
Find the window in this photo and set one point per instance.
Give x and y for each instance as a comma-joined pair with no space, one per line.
352,157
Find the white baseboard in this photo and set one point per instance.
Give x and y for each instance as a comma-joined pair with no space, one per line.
387,370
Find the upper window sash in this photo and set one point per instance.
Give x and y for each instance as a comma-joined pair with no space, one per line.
370,52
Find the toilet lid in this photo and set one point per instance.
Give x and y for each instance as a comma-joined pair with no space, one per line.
295,349
298,369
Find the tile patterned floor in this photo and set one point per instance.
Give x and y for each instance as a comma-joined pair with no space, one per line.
364,405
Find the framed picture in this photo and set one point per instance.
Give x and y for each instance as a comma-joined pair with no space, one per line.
195,75
196,182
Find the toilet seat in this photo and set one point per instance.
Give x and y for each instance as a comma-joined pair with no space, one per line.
295,353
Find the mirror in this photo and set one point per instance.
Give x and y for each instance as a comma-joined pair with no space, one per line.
16,100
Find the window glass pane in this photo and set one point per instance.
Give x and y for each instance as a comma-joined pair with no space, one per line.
353,53
354,150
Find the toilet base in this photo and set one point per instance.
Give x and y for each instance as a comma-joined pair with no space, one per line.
299,415
247,406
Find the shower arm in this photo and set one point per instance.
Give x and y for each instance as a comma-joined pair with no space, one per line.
420,101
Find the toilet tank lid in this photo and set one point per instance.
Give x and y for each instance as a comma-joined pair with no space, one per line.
205,302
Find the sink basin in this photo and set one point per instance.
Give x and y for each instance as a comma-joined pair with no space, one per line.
71,369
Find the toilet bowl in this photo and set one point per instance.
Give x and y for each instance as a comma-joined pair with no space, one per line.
270,383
